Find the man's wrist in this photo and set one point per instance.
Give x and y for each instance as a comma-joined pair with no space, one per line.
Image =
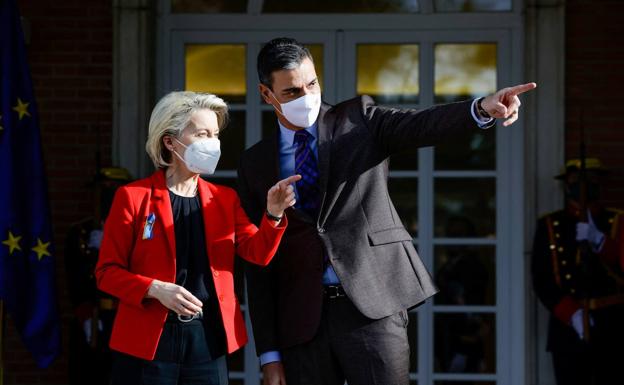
269,357
481,112
483,123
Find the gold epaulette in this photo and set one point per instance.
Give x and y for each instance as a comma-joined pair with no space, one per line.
615,220
551,223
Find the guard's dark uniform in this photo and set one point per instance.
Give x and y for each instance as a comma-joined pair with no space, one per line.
89,354
561,278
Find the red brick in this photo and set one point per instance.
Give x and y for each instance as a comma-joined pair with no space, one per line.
70,55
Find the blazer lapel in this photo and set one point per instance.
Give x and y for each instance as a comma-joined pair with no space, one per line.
268,166
325,129
161,207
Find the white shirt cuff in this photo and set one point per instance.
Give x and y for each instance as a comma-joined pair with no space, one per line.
270,356
482,123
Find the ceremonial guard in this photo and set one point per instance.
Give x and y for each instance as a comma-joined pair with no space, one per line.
577,276
94,311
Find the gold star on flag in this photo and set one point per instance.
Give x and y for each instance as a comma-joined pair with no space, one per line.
21,108
13,243
41,249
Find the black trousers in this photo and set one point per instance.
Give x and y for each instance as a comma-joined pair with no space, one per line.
87,364
351,347
182,358
589,366
599,362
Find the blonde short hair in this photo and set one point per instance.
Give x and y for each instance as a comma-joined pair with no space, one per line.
172,114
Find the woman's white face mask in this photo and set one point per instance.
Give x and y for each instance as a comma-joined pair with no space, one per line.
303,111
202,155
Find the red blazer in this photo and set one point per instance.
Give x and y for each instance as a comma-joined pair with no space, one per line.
128,263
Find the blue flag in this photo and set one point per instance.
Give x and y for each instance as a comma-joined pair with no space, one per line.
27,273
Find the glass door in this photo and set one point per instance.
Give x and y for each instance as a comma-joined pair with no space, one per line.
448,196
225,64
459,200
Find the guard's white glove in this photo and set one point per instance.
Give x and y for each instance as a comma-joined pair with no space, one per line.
577,323
86,328
95,239
590,233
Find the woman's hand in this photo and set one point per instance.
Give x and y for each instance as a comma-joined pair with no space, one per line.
174,297
281,196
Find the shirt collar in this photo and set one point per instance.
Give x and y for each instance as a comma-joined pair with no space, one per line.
288,135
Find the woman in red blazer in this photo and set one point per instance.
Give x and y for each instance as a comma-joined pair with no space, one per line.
168,252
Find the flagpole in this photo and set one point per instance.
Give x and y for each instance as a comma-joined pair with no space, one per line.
1,342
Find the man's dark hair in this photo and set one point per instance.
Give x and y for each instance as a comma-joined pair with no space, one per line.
282,53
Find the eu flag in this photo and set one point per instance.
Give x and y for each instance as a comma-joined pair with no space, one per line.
27,275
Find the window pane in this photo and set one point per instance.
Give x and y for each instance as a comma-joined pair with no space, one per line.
465,342
208,6
342,6
232,141
475,150
465,207
388,72
465,275
218,69
404,195
412,335
472,5
464,71
317,54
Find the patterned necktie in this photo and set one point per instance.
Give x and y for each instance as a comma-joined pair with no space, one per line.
305,165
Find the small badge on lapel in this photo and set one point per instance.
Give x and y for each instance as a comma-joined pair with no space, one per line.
149,226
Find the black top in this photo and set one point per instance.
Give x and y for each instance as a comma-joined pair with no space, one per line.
192,267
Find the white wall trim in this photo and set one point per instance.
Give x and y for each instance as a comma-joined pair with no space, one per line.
545,143
133,55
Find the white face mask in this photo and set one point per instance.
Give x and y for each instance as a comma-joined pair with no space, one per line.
201,156
303,111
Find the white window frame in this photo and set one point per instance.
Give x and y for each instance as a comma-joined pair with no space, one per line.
506,29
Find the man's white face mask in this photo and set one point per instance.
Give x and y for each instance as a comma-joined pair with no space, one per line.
303,111
202,155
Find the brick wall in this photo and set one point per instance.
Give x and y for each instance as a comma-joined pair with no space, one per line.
594,77
70,58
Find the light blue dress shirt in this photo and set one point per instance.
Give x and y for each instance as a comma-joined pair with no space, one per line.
287,150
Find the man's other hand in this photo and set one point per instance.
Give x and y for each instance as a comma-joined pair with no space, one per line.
273,374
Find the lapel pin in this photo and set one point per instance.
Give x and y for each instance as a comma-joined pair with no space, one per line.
149,225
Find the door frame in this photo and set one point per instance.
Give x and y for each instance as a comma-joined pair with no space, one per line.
426,28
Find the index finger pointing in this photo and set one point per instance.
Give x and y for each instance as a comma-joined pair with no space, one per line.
517,90
289,180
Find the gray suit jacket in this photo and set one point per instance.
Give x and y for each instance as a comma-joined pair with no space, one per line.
358,226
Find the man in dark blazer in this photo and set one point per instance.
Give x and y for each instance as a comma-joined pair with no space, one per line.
332,306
